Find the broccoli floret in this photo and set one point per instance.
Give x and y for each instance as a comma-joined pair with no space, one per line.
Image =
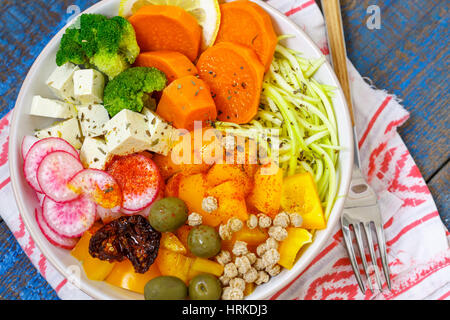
70,49
89,25
108,44
129,89
127,45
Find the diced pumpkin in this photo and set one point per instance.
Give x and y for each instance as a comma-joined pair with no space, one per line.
174,264
231,201
124,276
201,265
81,250
289,248
187,156
192,190
94,268
173,185
171,242
266,193
223,172
97,269
253,237
182,234
249,288
300,196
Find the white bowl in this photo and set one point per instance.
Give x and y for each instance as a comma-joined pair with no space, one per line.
24,124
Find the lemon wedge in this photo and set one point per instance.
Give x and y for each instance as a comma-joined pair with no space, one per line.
206,12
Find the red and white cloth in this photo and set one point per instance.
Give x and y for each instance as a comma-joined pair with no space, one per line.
417,240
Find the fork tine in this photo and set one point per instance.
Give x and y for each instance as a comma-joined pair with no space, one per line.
383,254
351,252
359,241
372,253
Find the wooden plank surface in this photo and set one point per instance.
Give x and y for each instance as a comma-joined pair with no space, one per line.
408,56
439,185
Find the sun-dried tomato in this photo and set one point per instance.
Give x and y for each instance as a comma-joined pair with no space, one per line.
129,237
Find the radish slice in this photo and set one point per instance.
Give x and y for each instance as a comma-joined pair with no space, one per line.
101,186
53,237
69,219
146,211
40,197
108,215
37,152
54,173
139,178
27,143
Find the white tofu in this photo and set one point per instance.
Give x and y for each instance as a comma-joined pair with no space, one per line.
52,108
162,134
88,86
127,132
68,130
94,153
61,82
93,119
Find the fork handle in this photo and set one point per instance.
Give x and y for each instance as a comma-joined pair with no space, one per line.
336,42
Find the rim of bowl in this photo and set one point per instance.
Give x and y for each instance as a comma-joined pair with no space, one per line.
344,181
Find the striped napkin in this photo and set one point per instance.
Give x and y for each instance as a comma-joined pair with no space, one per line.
417,241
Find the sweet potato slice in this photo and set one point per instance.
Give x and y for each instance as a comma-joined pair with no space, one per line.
234,74
247,23
174,64
167,28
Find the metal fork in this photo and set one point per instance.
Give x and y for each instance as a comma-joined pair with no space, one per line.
361,208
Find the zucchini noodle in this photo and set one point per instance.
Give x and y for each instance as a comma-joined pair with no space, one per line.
300,108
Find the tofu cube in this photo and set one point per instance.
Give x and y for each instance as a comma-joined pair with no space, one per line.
94,153
127,132
61,82
68,130
162,134
93,119
88,86
52,108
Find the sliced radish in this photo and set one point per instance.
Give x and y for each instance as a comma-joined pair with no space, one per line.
139,178
101,186
146,211
27,143
40,197
108,215
54,173
69,219
37,152
53,237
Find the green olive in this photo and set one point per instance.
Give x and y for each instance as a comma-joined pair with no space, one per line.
165,288
205,287
168,214
204,241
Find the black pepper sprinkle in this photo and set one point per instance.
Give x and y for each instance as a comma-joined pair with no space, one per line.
102,151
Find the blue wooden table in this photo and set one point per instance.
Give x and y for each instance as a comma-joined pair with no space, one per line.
408,56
